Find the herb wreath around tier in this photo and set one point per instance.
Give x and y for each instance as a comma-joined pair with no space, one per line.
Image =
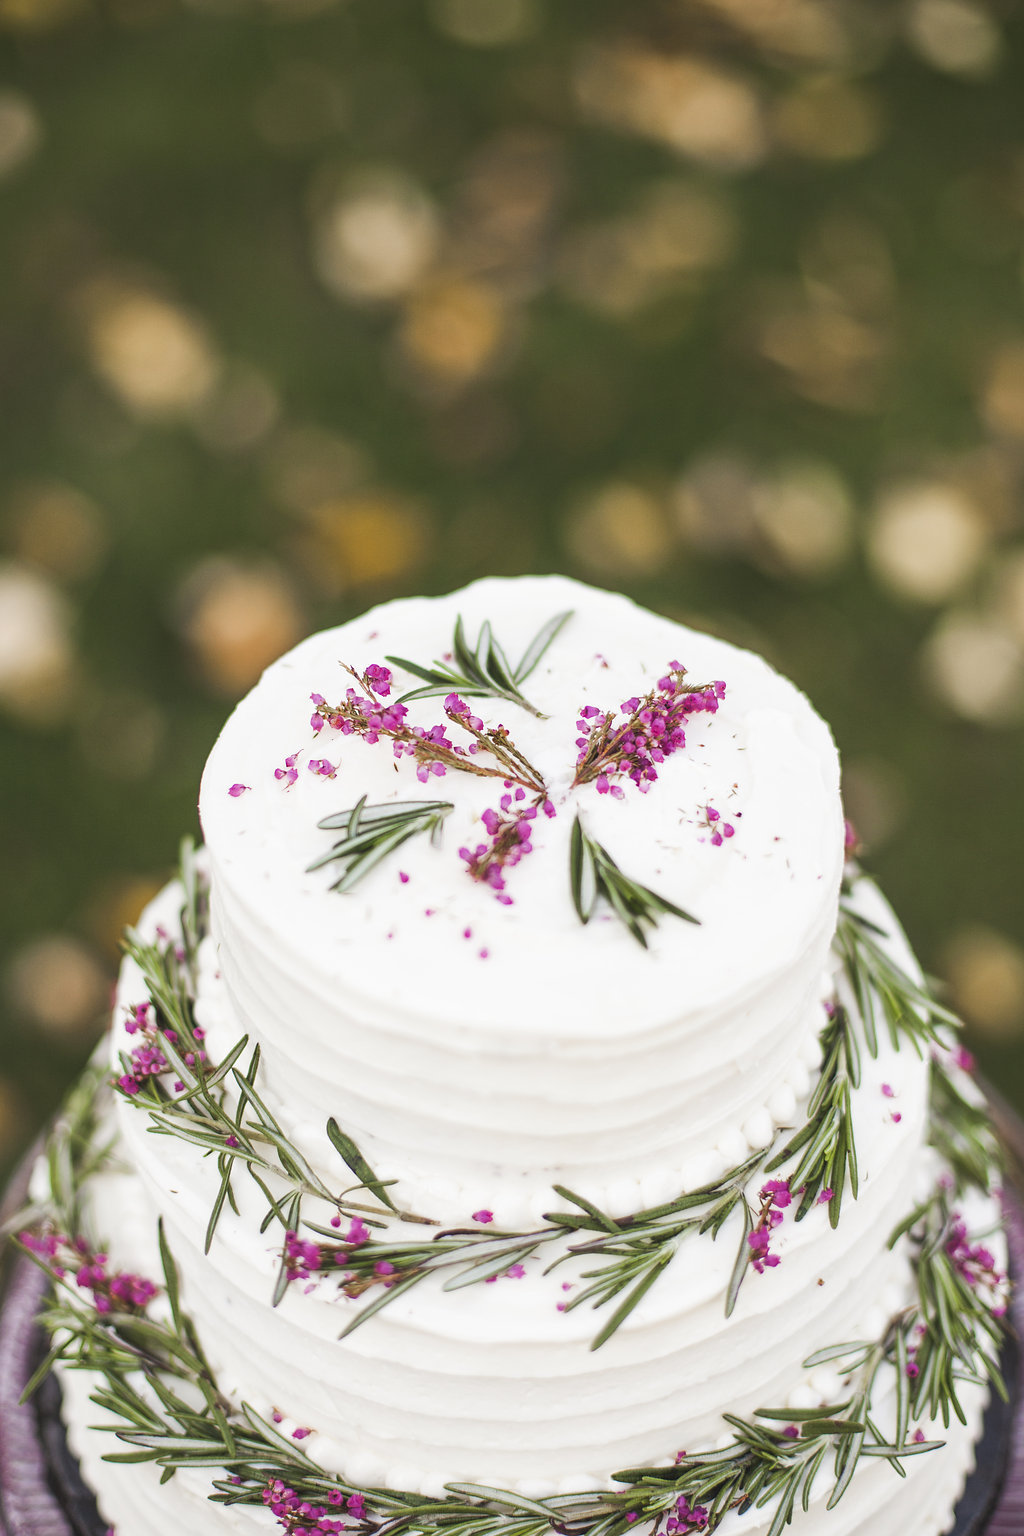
776,1285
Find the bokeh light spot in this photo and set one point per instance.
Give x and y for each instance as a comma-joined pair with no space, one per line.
236,618
676,232
925,540
57,529
829,119
1002,401
376,237
238,412
976,667
58,983
36,661
20,131
956,36
621,530
452,328
358,540
487,23
155,356
694,106
804,514
986,976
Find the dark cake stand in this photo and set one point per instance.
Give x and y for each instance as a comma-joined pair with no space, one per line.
42,1493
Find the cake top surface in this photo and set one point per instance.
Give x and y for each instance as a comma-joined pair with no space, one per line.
421,939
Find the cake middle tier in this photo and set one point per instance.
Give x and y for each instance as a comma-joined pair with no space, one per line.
496,1384
463,1121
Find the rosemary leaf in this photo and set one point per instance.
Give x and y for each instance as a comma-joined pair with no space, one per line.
356,1162
373,832
593,873
739,1269
483,670
633,1298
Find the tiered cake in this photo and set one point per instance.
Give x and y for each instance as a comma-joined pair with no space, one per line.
507,1068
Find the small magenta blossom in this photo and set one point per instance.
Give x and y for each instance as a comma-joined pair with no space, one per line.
378,679
687,1517
651,731
289,773
510,829
297,1517
775,1198
720,831
112,1291
304,1259
976,1264
147,1059
238,789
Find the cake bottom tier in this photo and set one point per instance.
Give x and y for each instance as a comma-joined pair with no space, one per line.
878,1502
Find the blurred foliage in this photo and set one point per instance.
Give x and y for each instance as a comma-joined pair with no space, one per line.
304,304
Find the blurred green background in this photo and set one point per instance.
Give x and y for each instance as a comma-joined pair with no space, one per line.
305,304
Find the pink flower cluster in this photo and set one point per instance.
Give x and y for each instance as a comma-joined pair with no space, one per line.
366,715
509,829
775,1197
118,1291
304,1258
147,1059
298,1517
976,1264
651,732
687,1517
719,829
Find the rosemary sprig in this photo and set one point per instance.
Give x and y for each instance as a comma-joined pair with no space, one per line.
879,983
371,716
593,873
486,672
961,1132
958,1335
828,1157
371,832
640,1247
236,1128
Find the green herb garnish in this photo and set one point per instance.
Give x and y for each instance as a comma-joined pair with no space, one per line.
483,672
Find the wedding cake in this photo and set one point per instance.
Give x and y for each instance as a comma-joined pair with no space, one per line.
523,1113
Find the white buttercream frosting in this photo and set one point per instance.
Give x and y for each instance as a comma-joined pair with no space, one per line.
567,1055
535,1050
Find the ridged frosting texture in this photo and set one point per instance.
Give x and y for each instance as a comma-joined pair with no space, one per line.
565,1055
497,1385
534,1048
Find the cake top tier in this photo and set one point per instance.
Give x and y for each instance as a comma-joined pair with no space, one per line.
418,937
